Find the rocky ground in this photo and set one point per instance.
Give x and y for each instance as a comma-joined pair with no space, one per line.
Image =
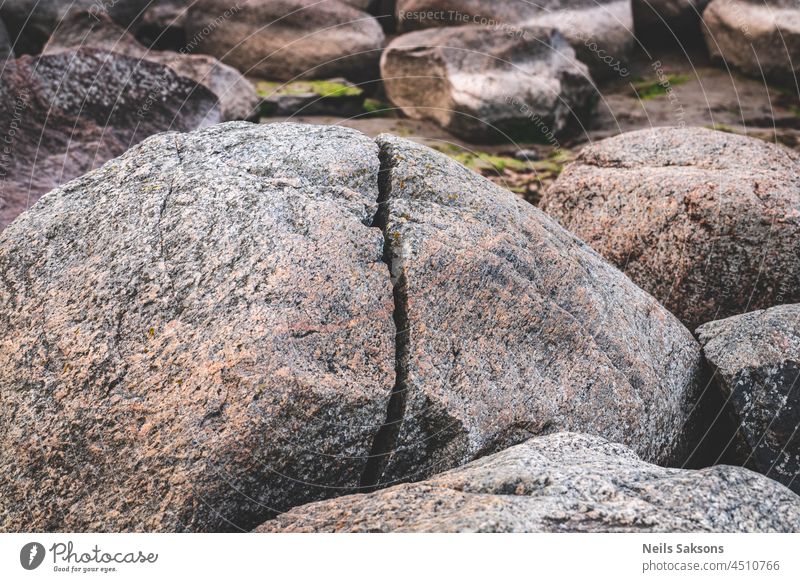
424,265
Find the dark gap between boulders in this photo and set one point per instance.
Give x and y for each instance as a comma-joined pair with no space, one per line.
385,440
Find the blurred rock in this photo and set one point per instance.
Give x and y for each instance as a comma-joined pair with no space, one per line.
756,359
284,40
237,96
316,97
62,115
706,221
600,31
163,25
483,84
35,20
761,38
5,43
564,482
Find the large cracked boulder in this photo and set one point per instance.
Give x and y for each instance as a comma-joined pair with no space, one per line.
761,38
706,221
237,96
32,21
221,325
284,40
483,84
65,114
561,483
600,31
756,360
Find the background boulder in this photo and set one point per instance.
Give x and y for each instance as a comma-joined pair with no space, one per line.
483,84
761,38
706,221
561,483
237,96
32,21
287,39
64,114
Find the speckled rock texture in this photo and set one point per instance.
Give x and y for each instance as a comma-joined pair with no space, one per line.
513,328
484,84
237,96
34,20
284,40
196,335
561,483
62,115
756,360
706,221
761,38
600,31
668,21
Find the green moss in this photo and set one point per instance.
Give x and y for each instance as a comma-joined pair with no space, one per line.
378,108
651,88
323,88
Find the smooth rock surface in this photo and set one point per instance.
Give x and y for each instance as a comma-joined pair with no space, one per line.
756,360
196,335
35,20
483,84
284,40
561,483
600,31
706,221
237,96
761,38
515,328
65,114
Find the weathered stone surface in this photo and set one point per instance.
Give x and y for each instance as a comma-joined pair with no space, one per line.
756,359
668,20
34,20
62,115
706,221
561,483
761,38
600,31
483,84
288,39
196,335
237,96
512,327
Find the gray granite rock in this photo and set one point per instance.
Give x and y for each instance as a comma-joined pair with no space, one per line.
561,483
600,31
237,96
284,40
513,327
34,20
196,335
756,360
62,115
221,325
761,38
706,221
484,84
